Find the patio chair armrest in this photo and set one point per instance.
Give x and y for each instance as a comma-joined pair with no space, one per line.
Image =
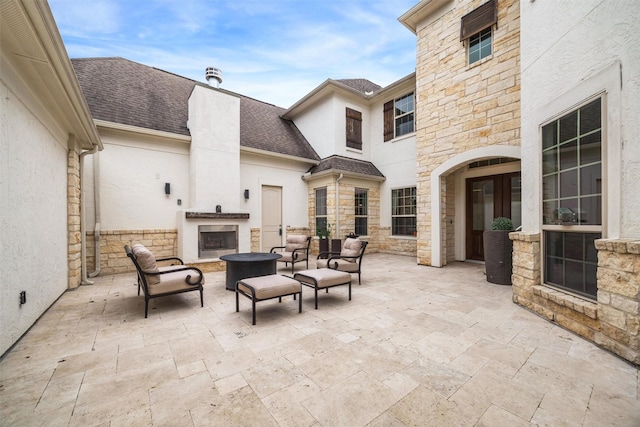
172,258
175,270
324,255
276,247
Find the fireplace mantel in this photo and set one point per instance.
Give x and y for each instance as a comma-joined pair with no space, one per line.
215,215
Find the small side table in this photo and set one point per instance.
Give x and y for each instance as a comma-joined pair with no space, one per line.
250,264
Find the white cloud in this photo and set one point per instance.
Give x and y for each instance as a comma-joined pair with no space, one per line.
275,51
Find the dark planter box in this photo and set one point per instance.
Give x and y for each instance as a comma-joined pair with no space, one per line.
498,255
336,245
323,245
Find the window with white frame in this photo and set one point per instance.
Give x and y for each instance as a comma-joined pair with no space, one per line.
361,201
403,211
399,117
480,45
321,210
572,198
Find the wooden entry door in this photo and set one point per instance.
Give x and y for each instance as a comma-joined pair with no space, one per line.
271,217
489,197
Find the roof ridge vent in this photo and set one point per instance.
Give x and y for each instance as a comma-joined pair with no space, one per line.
212,73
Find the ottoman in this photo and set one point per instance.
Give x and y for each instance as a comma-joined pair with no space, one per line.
323,278
267,287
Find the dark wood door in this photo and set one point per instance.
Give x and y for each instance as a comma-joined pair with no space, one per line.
489,197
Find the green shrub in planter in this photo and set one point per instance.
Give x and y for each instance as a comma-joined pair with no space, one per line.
502,223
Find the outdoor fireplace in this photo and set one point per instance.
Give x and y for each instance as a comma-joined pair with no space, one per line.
217,240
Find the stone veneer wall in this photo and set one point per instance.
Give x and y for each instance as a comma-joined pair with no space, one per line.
460,107
613,321
74,254
255,239
619,297
113,260
378,237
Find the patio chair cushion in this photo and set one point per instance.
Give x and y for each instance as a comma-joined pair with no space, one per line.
295,241
271,286
343,265
174,281
147,262
351,247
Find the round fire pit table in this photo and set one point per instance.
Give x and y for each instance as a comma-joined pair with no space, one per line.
249,264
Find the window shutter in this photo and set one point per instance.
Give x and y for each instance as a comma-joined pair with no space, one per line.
479,19
354,129
388,121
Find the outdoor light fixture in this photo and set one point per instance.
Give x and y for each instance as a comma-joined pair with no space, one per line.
246,194
167,188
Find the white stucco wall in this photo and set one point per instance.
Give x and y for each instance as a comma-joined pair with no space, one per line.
33,208
318,125
257,171
396,159
567,58
214,123
133,171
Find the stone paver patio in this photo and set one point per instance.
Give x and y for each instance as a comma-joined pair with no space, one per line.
416,346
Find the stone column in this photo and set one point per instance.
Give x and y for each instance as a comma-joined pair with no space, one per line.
74,210
619,297
526,268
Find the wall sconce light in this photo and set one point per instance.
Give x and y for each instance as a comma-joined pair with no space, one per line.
167,188
246,194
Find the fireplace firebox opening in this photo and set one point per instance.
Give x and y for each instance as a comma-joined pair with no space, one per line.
217,240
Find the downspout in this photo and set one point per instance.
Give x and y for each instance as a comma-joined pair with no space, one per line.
96,204
338,204
83,239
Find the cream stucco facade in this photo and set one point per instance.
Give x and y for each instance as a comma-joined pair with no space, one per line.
44,126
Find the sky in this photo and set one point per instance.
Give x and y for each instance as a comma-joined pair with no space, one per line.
276,51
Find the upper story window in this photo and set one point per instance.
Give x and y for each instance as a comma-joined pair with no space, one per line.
480,45
399,117
476,30
354,129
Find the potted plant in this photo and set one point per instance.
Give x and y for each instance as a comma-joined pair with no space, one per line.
323,234
498,251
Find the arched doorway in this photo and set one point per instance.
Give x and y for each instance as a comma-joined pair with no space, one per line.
451,165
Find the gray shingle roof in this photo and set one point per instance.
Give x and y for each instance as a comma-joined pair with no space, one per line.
122,91
361,85
126,92
261,127
346,164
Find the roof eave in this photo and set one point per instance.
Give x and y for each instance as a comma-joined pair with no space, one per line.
329,172
420,12
45,27
272,154
301,104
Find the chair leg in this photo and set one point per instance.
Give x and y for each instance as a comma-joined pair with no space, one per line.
146,306
237,302
253,308
300,302
316,291
201,299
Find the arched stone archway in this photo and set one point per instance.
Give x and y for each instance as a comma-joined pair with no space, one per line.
446,167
